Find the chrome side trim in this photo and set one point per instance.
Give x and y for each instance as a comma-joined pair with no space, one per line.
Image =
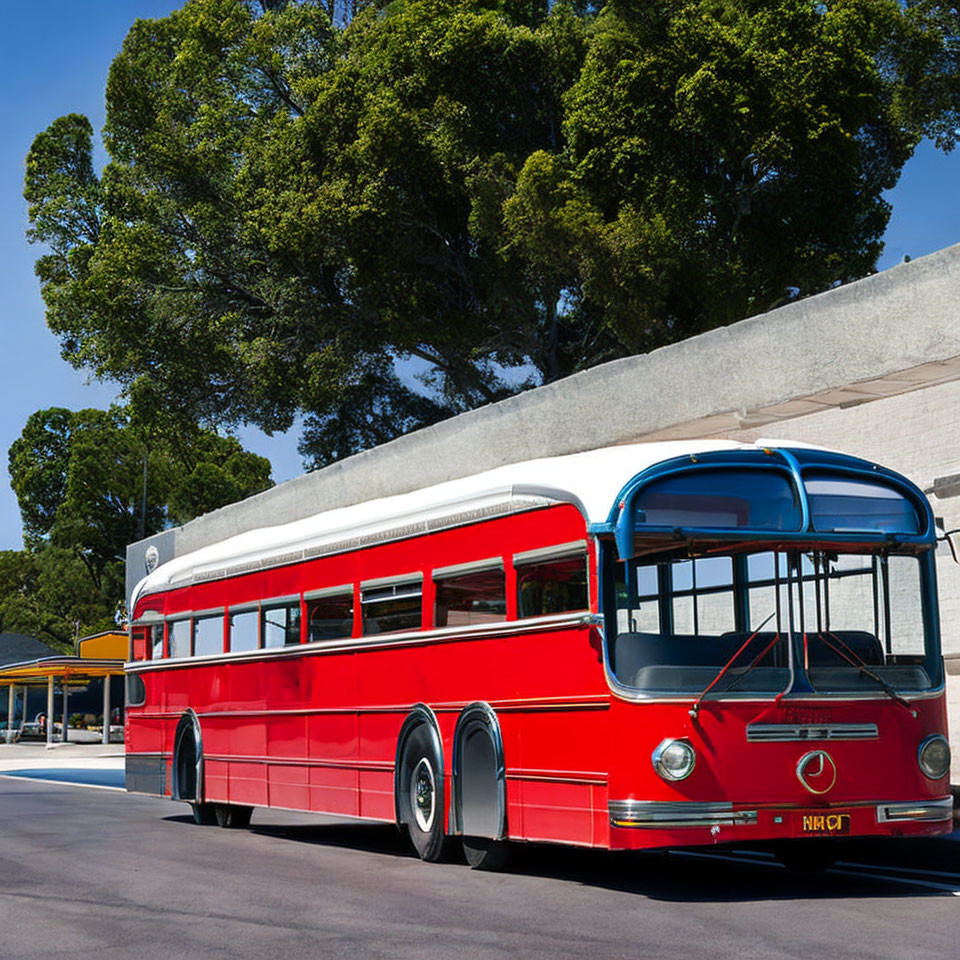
519,503
789,732
558,551
397,580
283,601
471,566
533,705
147,618
662,814
480,631
922,810
344,589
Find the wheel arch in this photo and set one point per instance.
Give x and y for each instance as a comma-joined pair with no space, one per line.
486,815
188,727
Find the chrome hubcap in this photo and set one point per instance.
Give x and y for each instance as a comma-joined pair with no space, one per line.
422,793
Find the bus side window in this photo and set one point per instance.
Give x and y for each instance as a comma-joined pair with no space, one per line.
330,617
138,643
208,635
244,630
393,608
178,633
551,586
156,641
477,597
280,625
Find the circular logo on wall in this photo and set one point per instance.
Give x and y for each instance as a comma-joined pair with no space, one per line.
151,558
817,771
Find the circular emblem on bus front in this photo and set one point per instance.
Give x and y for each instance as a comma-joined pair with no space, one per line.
817,771
151,558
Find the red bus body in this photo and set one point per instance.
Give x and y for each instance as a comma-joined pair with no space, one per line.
316,726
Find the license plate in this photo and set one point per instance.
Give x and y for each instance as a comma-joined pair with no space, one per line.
825,824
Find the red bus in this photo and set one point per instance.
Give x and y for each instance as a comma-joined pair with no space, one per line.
641,646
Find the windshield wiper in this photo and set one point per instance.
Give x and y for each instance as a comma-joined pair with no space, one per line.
855,660
756,660
695,709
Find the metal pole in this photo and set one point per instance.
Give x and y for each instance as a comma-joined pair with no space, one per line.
106,708
66,695
10,703
49,710
23,718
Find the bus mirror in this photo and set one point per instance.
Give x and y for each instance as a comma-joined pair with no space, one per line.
950,537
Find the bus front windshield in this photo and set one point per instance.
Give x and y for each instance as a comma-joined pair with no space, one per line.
752,623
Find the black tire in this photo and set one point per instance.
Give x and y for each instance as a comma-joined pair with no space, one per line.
481,853
230,815
421,779
204,814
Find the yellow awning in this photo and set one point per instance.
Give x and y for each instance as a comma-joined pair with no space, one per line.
69,669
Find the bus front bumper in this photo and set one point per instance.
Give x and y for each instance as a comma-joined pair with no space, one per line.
669,823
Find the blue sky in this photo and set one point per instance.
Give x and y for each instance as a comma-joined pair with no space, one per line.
54,58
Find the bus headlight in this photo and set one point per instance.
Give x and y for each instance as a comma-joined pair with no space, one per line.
674,759
934,757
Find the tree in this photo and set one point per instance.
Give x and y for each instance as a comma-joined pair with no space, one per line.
735,154
96,480
90,482
289,219
378,224
48,594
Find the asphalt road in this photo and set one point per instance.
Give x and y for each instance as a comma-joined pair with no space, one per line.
102,874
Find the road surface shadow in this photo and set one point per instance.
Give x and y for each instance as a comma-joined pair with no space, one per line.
718,874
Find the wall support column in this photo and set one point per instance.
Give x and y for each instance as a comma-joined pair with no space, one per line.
49,721
106,708
66,715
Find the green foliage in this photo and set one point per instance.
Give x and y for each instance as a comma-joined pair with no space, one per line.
79,479
299,219
48,594
737,154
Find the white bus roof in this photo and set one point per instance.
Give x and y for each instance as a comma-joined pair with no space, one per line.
589,480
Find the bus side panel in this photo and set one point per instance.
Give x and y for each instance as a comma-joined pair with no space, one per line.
335,790
216,781
557,734
247,783
288,786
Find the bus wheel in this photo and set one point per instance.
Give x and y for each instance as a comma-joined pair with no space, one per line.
482,853
204,814
232,815
423,781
